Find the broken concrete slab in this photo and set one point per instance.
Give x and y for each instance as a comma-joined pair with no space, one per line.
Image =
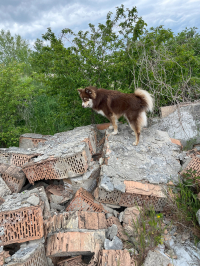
30,254
154,160
187,253
63,155
112,231
4,189
16,156
181,122
31,140
13,176
115,244
23,200
156,258
74,243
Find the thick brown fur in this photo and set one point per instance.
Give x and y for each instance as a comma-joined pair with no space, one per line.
114,104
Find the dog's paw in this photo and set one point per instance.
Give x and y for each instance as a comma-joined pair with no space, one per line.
114,133
110,127
135,144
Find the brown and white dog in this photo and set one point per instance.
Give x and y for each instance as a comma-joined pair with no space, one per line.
114,104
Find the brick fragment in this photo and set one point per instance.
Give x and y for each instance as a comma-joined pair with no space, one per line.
75,261
115,258
84,201
30,255
2,200
167,110
74,243
194,166
114,220
144,189
13,176
143,194
177,142
92,220
3,255
18,226
75,220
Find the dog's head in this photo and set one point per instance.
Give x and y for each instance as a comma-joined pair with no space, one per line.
87,96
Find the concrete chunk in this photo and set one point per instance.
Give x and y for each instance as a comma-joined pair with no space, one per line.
154,160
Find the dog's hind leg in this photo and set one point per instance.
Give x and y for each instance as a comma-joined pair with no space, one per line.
114,121
136,123
136,128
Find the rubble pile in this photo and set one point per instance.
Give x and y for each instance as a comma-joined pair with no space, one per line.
67,199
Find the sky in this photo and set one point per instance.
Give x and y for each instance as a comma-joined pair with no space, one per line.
31,18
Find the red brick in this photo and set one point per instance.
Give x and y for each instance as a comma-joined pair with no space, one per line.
13,176
115,258
144,189
84,201
73,243
3,255
114,220
50,168
91,220
21,225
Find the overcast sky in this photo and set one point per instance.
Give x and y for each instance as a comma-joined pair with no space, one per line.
31,18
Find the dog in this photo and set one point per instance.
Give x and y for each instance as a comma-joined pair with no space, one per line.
114,104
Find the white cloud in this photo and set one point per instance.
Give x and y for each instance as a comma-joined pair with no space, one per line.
31,18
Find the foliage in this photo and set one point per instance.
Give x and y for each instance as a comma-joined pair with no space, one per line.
186,199
147,232
15,90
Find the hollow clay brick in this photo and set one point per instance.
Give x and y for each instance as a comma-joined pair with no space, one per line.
84,201
13,176
194,166
57,168
21,225
74,243
115,258
30,255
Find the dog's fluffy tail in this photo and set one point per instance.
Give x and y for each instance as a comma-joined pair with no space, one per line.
147,98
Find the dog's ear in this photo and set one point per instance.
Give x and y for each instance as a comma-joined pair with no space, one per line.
80,91
90,91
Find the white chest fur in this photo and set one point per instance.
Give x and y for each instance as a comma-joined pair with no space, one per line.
100,112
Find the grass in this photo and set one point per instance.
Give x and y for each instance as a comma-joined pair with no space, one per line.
147,233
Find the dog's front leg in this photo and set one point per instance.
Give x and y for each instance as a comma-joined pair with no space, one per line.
114,121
